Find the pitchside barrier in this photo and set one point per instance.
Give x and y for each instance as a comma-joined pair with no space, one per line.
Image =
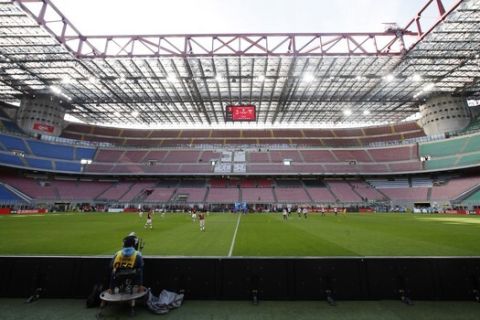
348,278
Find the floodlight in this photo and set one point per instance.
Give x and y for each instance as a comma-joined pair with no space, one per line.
389,77
56,89
308,77
429,87
260,78
416,77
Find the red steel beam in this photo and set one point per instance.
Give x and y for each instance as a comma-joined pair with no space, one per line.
388,43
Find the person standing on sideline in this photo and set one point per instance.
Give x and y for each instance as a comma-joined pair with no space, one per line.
335,210
149,223
201,219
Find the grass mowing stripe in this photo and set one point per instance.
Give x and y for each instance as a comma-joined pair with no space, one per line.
234,236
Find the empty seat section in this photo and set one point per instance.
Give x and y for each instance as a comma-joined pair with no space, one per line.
84,153
442,163
280,155
473,144
39,163
289,183
180,156
98,168
136,189
380,130
206,156
196,168
318,156
321,194
127,168
257,195
343,191
381,183
411,194
50,150
414,165
248,183
68,166
116,191
192,183
108,155
265,183
8,158
469,159
8,196
291,195
366,190
191,194
33,188
442,148
223,195
392,154
218,183
453,188
160,195
349,155
133,156
260,157
11,126
135,133
155,156
80,190
13,143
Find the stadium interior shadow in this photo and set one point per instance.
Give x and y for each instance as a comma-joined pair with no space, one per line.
456,278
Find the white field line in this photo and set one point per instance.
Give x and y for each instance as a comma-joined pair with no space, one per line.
234,235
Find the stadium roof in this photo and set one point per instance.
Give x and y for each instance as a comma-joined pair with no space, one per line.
312,79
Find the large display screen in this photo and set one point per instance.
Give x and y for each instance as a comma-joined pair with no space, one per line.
241,113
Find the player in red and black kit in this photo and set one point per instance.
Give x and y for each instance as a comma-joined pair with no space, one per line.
201,219
149,223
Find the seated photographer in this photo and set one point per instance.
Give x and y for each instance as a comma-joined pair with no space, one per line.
127,262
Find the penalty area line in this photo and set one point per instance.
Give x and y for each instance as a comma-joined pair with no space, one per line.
234,236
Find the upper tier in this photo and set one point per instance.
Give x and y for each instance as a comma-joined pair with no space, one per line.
452,153
298,137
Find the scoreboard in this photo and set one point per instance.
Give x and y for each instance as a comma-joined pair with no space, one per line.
240,113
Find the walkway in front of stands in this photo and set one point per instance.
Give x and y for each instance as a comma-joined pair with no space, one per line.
52,309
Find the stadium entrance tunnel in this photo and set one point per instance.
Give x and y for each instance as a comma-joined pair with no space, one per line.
258,278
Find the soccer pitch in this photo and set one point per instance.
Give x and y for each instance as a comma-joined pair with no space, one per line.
258,235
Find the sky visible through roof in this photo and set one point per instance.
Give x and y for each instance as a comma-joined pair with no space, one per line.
141,17
240,16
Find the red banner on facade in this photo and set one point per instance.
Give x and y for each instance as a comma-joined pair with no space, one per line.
43,127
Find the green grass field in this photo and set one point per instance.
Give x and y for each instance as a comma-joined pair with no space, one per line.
256,235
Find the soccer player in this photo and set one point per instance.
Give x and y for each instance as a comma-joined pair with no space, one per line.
285,214
194,215
305,212
201,219
149,223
